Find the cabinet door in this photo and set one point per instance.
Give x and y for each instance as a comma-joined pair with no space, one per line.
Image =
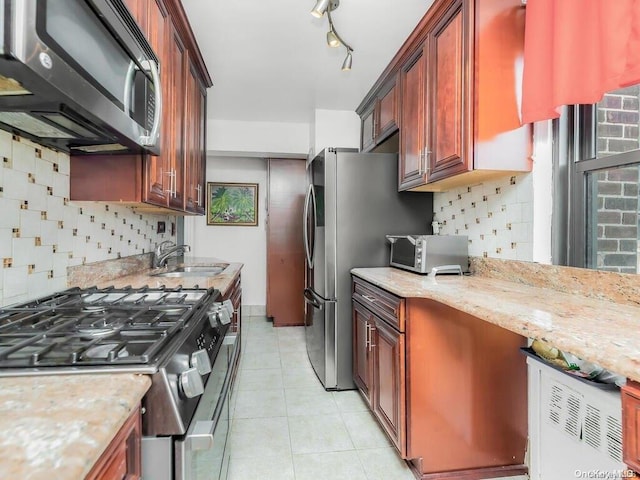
367,133
362,356
178,63
195,142
386,113
411,160
631,425
448,96
157,181
389,379
121,459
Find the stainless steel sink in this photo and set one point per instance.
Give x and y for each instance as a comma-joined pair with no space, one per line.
193,271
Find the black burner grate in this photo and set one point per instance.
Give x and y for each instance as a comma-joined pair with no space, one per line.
93,327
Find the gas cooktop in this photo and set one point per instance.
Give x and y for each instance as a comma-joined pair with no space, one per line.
125,329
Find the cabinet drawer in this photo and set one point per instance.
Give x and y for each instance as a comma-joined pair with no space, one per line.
631,425
388,306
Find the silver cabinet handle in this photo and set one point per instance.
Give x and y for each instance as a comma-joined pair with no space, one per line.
371,330
199,195
369,298
367,339
152,139
172,175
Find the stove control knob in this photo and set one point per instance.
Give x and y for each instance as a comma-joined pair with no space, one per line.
191,383
200,361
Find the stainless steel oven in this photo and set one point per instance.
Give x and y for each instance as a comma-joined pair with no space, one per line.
203,454
179,337
424,253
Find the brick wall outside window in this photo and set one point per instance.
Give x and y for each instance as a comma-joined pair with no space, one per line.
616,217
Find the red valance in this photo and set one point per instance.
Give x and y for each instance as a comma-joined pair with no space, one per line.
576,51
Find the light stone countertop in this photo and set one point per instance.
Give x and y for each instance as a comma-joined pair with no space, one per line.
596,330
144,277
58,426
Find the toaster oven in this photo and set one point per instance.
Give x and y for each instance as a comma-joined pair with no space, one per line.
423,253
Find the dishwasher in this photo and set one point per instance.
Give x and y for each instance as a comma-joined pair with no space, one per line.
575,426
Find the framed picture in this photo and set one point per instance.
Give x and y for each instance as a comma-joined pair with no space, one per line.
232,204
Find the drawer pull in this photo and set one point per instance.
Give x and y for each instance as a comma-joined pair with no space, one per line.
371,330
369,298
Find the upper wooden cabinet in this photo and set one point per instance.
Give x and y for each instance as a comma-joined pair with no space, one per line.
174,181
459,108
379,120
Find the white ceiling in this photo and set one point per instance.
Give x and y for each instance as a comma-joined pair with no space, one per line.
270,62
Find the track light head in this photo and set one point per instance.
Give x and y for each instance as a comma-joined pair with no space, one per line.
332,39
320,8
346,65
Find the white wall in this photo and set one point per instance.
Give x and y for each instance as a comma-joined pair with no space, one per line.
335,128
247,245
257,137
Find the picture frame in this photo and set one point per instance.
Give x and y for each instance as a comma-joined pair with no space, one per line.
232,204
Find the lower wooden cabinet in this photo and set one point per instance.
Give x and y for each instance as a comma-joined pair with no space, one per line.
389,402
379,360
631,425
449,389
121,459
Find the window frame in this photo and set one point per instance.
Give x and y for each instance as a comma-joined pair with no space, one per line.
574,157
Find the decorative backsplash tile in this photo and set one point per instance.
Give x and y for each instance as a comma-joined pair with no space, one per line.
42,232
497,217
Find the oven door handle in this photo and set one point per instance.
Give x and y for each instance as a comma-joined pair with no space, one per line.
202,436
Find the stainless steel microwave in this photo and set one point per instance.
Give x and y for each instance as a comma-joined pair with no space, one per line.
78,76
423,253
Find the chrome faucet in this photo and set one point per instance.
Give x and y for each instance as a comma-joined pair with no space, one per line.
166,249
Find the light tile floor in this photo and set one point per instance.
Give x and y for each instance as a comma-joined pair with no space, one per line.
287,427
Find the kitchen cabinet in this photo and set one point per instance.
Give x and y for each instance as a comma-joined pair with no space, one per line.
631,425
379,357
458,109
380,118
174,181
449,389
121,459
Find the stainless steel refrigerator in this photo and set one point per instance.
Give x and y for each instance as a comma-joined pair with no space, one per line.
352,202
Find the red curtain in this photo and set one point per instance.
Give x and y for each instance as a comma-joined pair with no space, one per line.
577,50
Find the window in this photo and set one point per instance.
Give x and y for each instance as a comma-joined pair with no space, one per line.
599,145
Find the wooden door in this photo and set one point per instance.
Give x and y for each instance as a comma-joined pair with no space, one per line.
157,30
411,159
362,357
448,97
285,248
389,379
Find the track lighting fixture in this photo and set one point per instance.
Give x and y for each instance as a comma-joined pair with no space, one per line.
333,38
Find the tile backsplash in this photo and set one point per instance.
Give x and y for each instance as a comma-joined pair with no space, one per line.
42,232
497,217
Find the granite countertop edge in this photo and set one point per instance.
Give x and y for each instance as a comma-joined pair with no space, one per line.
599,331
58,426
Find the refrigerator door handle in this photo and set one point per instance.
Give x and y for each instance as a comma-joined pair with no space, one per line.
305,230
315,300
